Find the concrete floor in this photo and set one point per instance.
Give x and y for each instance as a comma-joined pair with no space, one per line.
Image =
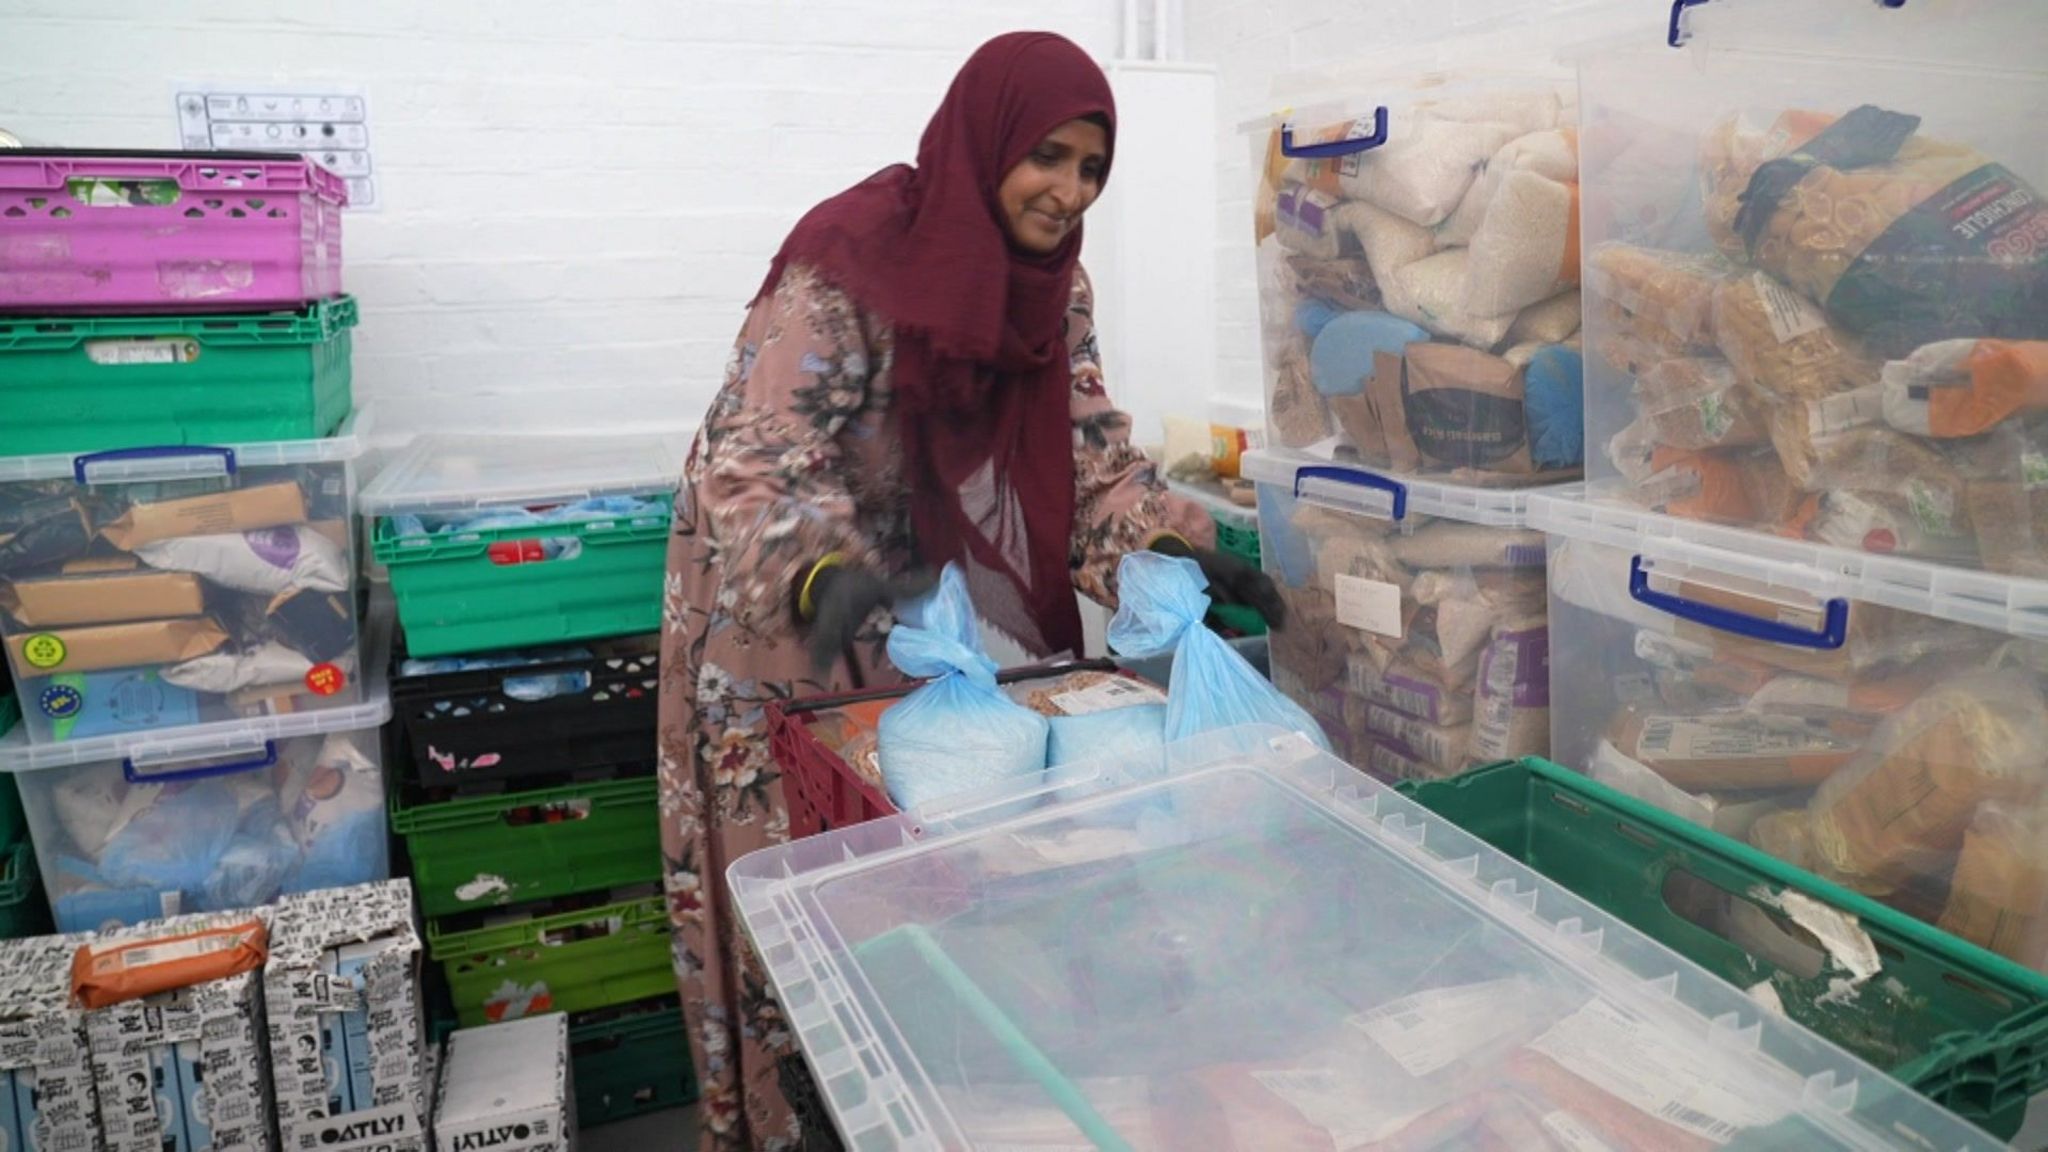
672,1131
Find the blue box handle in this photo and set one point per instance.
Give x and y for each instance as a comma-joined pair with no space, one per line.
1833,633
1337,148
267,760
1675,36
1357,478
80,464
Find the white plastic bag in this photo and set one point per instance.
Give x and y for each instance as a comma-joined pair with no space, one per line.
960,731
1162,602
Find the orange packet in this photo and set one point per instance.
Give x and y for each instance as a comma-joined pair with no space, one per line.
113,971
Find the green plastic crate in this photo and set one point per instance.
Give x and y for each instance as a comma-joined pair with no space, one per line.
570,961
9,712
89,384
23,911
454,596
1964,1027
486,852
629,1061
1235,538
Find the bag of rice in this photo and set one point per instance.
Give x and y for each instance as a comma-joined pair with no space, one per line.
1433,291
1528,248
1390,244
1425,167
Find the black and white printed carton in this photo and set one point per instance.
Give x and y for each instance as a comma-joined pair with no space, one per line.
346,1042
184,1070
46,1080
506,1088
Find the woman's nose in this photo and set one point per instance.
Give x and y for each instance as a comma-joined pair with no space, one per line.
1066,189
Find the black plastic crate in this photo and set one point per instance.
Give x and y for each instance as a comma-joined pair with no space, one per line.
561,711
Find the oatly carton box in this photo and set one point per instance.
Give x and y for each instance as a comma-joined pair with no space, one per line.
47,1097
506,1088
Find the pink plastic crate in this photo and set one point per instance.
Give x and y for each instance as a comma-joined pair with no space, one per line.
166,231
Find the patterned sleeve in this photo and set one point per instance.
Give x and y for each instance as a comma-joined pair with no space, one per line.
1120,501
773,481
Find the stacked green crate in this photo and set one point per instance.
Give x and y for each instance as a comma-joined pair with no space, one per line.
537,864
1237,534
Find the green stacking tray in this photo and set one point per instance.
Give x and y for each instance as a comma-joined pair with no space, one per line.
1241,541
462,592
486,852
629,1061
9,712
1964,1027
548,961
23,911
89,384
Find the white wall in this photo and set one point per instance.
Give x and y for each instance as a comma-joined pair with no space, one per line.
578,199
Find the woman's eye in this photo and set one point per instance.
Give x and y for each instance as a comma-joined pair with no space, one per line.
1045,159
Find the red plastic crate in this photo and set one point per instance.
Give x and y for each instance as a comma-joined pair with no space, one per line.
823,791
166,231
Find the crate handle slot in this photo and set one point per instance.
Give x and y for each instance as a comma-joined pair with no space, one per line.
1832,634
1356,478
267,759
143,465
1704,904
1335,148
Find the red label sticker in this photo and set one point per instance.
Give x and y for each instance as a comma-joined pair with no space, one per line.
325,680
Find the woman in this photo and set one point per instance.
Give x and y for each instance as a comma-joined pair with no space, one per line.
916,384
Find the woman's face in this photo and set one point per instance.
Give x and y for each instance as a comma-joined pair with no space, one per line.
1044,195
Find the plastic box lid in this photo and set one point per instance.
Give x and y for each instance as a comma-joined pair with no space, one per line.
191,461
224,740
451,474
1212,500
1242,941
1386,495
2015,605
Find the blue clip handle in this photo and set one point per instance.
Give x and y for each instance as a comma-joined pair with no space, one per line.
267,760
1892,3
1357,479
1335,147
1833,633
1676,36
80,464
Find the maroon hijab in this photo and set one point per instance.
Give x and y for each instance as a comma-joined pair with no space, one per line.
981,374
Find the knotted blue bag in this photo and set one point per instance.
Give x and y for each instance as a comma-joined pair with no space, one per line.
960,731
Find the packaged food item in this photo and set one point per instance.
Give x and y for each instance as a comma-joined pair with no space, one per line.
1305,222
1527,249
1999,895
1958,388
271,562
113,598
130,968
1294,408
1513,692
1422,173
1662,298
1696,403
223,672
59,531
109,646
1390,244
1732,751
1551,321
1552,153
1902,808
1432,294
214,514
1781,344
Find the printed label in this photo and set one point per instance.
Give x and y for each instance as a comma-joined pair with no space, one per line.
325,679
1369,605
1402,694
1434,744
1432,1030
142,350
1716,416
1730,738
1391,763
43,650
1305,211
1791,314
1845,410
1642,1065
1573,1133
1107,696
61,702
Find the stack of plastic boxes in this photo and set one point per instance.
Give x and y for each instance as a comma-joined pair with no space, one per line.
1804,587
178,593
1419,311
528,575
21,911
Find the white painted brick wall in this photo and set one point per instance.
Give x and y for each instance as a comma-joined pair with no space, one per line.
1256,44
578,199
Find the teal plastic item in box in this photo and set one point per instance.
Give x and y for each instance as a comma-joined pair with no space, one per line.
23,912
95,383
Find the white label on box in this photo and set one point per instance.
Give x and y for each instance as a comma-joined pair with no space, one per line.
1434,1029
1677,738
1573,1133
1369,605
1107,696
1791,314
1638,1063
327,124
142,350
1338,1104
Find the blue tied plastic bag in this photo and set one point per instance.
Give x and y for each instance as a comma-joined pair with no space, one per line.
1162,601
960,731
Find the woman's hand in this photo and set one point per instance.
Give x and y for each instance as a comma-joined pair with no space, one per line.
1231,580
834,599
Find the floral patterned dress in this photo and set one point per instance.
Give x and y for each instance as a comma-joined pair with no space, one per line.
797,459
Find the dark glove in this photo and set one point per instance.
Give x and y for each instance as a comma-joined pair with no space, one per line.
840,600
1231,580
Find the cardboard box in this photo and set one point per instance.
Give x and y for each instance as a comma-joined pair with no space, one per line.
47,1096
506,1088
112,598
184,1070
133,645
346,1039
214,514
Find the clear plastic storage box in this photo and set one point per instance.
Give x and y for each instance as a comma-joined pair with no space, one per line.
155,588
1879,723
514,541
209,818
1816,277
1241,943
1417,257
1415,615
